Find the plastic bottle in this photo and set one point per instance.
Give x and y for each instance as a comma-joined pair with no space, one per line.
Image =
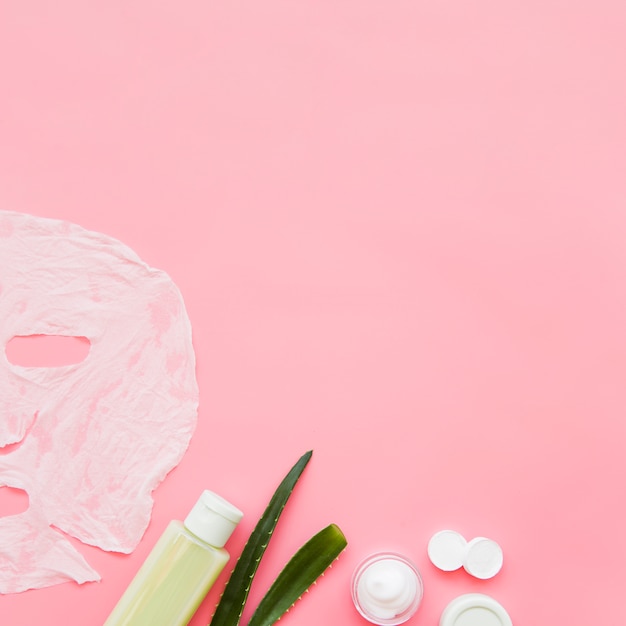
182,567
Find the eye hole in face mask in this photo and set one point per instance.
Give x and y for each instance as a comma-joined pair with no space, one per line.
47,350
13,501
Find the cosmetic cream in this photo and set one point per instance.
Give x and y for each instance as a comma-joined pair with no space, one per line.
182,567
387,589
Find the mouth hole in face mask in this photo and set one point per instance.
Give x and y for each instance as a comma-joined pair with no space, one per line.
13,501
47,350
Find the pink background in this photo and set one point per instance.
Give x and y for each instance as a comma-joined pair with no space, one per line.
399,231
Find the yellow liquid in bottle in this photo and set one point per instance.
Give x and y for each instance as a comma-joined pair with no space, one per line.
171,583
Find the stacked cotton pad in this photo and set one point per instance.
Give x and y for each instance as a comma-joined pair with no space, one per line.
480,557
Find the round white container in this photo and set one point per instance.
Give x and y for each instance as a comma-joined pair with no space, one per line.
475,609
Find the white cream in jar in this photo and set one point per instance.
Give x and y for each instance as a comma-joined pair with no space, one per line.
387,589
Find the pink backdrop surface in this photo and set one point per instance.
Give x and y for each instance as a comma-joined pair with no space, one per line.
399,229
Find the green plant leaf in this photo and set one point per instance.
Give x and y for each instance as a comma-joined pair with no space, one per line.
233,600
302,570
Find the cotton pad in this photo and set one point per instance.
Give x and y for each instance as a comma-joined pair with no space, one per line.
88,442
446,550
483,558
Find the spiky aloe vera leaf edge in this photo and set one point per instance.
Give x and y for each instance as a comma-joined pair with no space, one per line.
233,600
302,570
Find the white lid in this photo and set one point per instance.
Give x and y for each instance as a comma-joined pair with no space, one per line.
447,549
387,589
474,609
484,558
213,519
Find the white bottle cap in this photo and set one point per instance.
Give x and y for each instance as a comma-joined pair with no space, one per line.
474,609
213,519
387,589
447,549
483,558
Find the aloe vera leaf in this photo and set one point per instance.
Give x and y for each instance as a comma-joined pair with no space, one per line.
302,570
233,600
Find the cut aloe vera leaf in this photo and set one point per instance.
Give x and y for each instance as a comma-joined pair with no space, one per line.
233,600
302,570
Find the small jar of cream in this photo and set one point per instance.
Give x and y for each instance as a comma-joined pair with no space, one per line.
387,589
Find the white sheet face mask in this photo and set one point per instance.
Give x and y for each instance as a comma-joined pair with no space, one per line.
88,442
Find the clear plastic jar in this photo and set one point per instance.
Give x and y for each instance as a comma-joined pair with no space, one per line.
387,589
